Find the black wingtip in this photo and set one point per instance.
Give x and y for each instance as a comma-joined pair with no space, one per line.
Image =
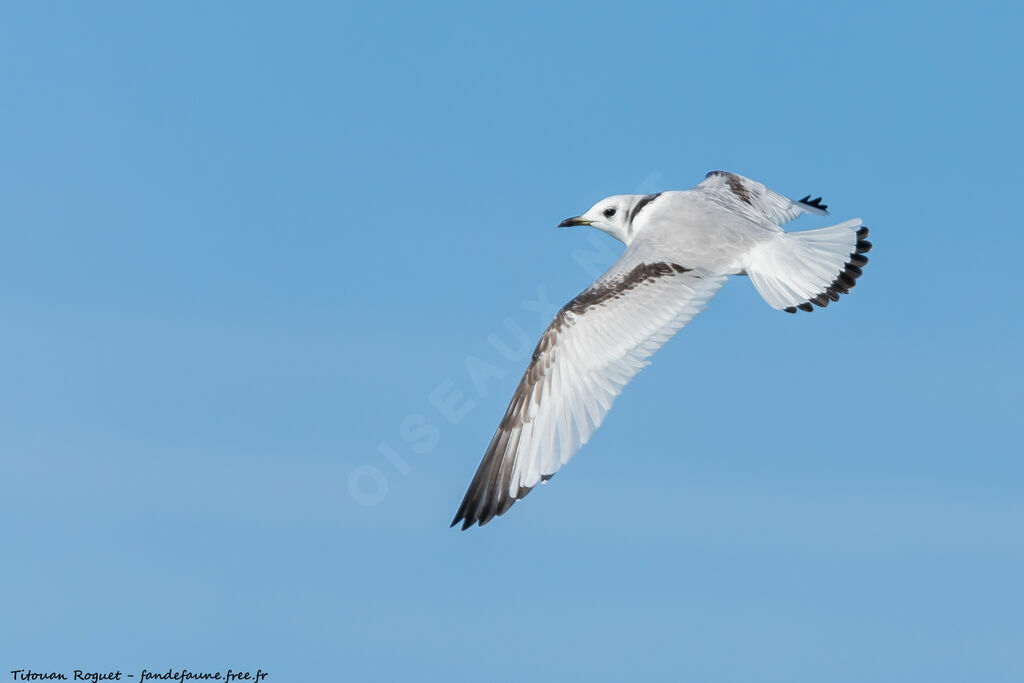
815,203
466,516
461,516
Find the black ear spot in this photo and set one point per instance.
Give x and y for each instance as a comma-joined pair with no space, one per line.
609,212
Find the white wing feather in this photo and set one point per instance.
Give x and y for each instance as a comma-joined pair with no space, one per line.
752,199
597,343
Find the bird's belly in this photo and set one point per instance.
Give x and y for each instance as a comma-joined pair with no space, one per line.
709,238
722,252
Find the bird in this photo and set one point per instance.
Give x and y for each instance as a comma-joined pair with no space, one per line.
681,246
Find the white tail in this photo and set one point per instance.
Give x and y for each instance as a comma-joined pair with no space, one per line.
814,266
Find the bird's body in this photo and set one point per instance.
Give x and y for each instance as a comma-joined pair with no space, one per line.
677,224
680,248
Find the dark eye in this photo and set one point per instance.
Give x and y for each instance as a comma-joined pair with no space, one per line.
609,212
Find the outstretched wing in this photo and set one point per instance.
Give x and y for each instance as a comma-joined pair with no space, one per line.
593,348
751,198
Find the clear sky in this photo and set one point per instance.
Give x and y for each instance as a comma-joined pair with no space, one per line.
252,255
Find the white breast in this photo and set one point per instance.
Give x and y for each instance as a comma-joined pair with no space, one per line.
701,233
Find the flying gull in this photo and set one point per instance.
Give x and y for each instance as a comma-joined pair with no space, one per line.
680,248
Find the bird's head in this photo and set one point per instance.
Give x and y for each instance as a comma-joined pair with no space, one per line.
610,215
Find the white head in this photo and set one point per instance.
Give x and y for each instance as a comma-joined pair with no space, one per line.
613,215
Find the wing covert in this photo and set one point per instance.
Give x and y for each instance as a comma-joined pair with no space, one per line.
750,198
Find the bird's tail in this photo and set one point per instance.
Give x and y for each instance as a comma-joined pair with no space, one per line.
797,269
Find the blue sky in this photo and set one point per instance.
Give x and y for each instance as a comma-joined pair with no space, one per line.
243,245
